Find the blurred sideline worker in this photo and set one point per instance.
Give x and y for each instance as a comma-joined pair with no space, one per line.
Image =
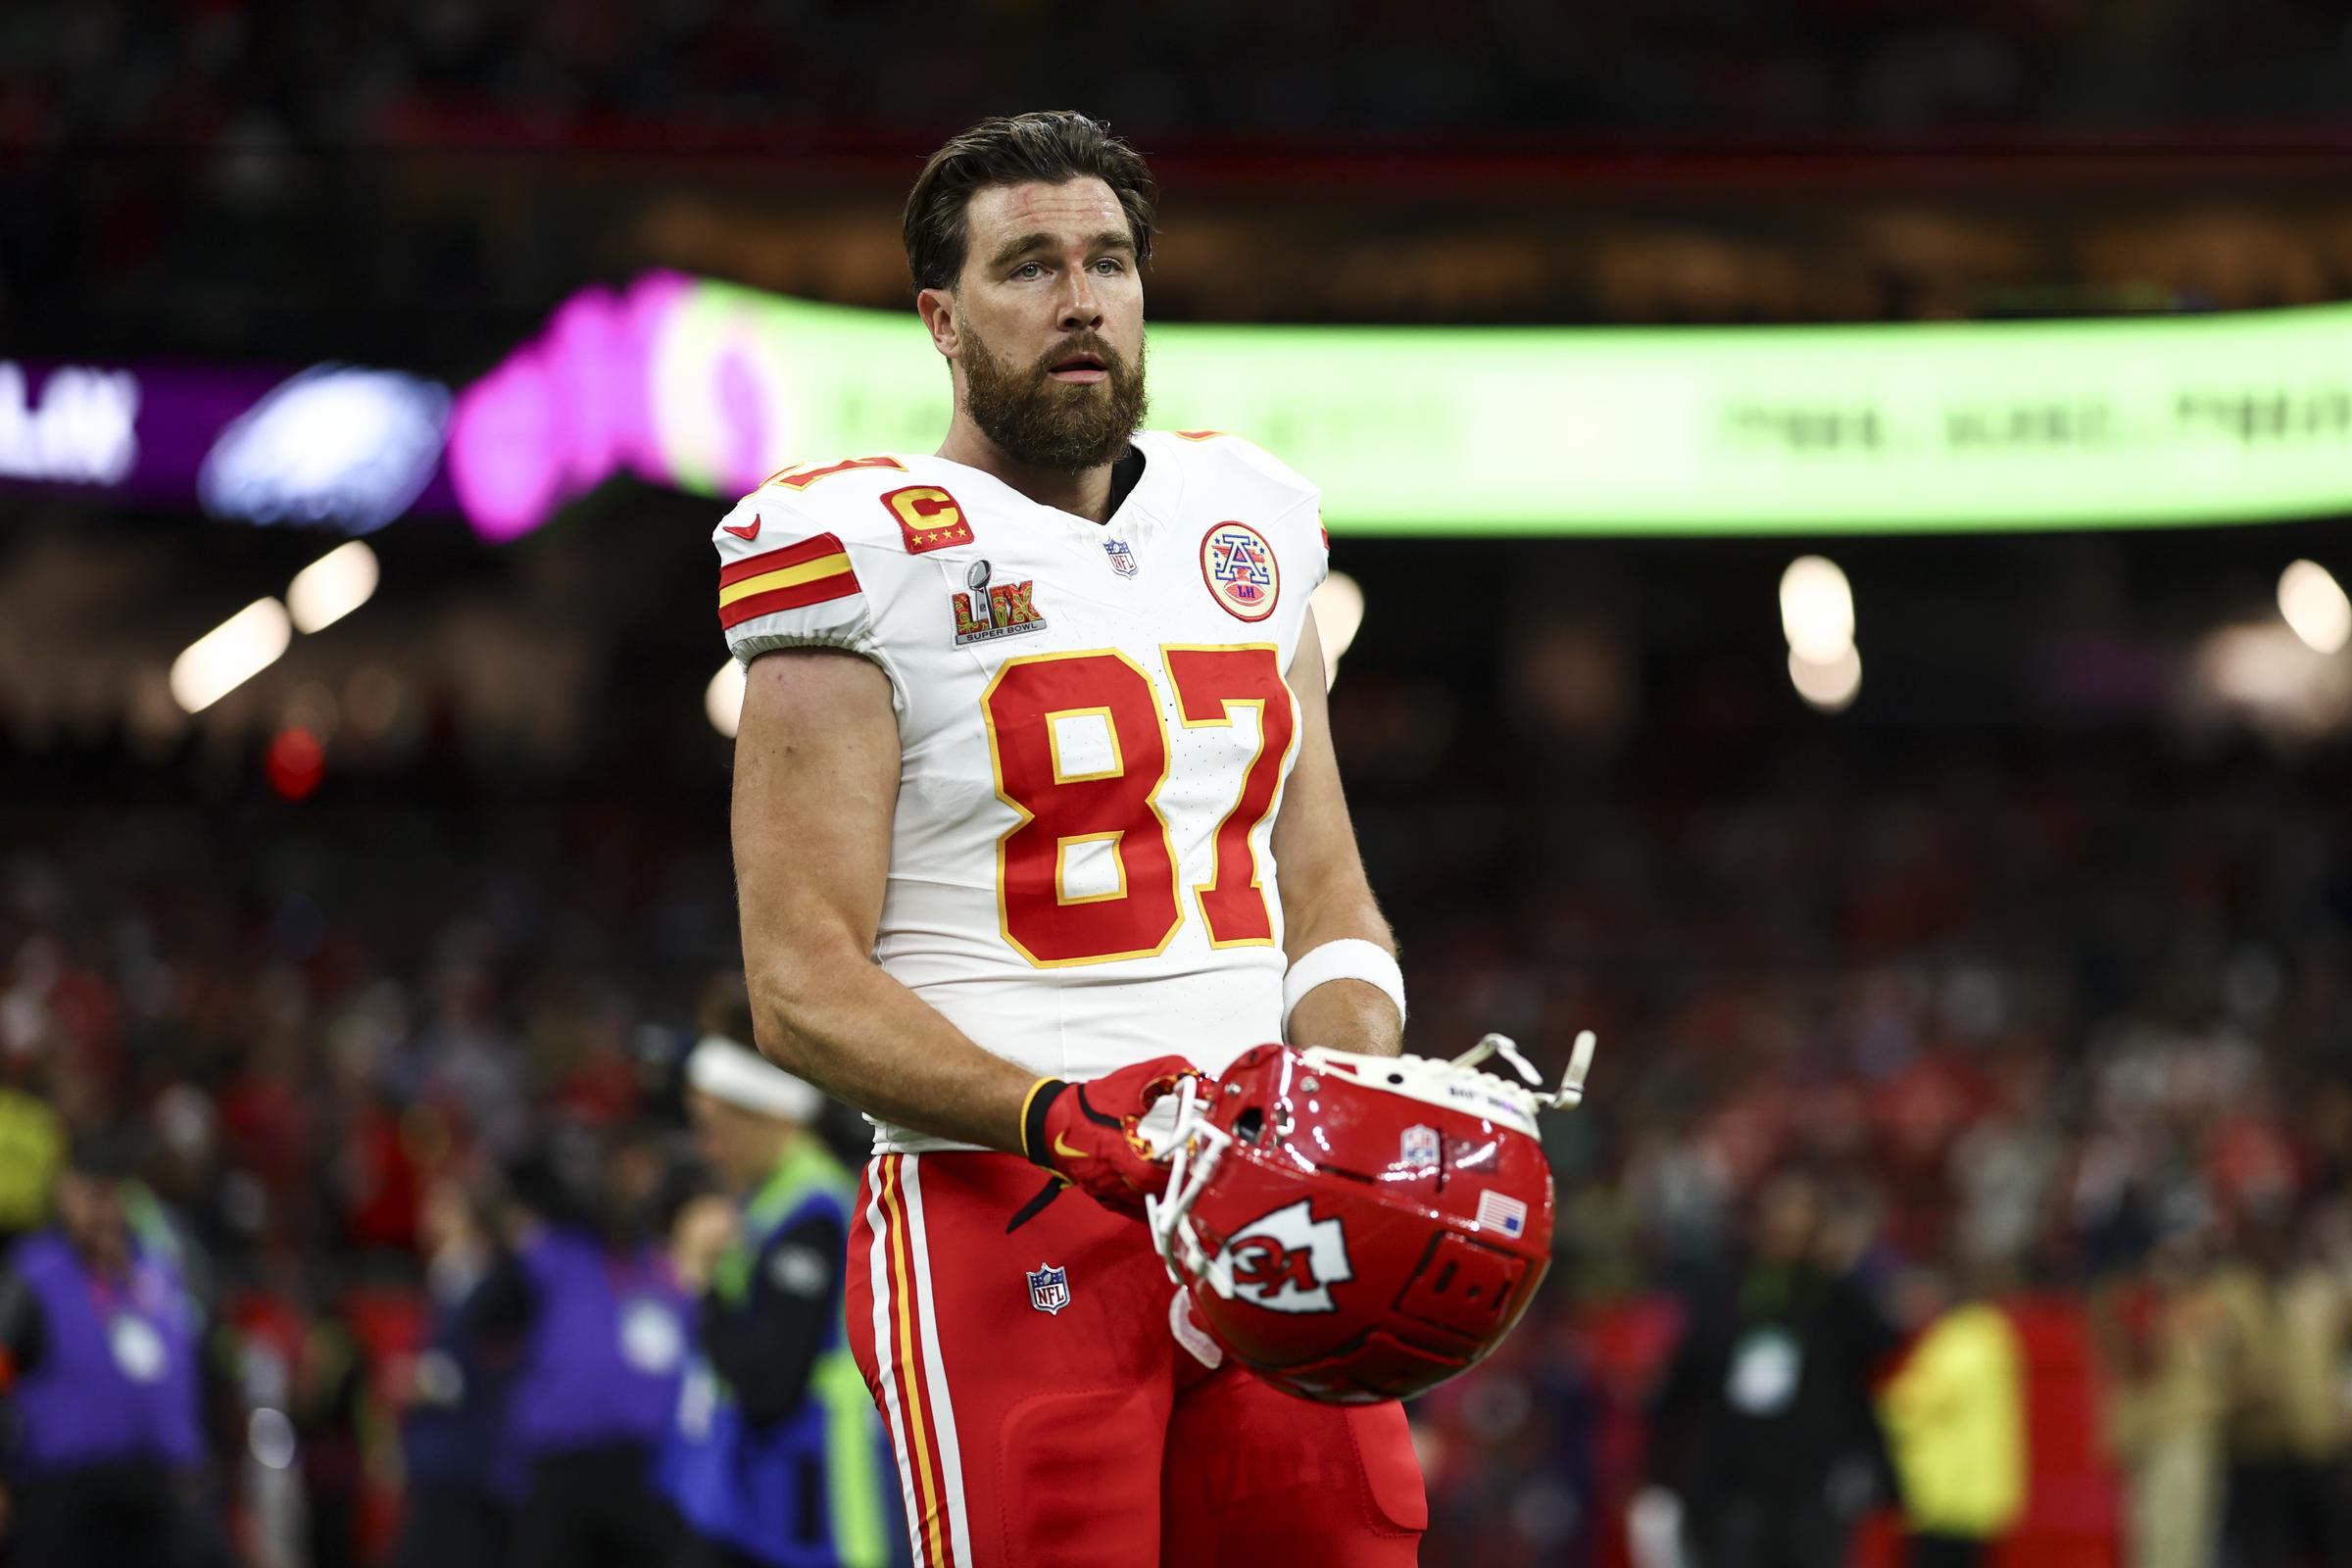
462,1479
1954,1413
2291,1307
32,1140
601,1323
1036,813
1765,1448
776,1458
2173,1352
99,1344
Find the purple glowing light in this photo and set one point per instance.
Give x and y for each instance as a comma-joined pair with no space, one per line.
563,411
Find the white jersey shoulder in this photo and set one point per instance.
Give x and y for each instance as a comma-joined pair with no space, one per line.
805,559
1234,464
1230,477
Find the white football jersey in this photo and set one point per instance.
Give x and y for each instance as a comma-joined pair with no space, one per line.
1094,726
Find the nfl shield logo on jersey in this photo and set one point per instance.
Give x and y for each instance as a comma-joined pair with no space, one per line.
1122,559
1050,1288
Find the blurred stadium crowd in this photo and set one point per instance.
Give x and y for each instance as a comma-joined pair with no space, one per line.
2063,1031
181,72
229,178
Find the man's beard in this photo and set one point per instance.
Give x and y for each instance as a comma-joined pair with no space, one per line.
1045,424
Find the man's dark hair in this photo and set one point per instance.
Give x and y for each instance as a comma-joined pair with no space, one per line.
1052,145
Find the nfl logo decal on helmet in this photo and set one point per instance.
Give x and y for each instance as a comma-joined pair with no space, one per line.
1238,567
1354,1228
1050,1288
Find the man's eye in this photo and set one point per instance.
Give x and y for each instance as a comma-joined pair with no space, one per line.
1110,263
1028,270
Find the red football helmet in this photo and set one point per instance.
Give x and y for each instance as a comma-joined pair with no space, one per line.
1359,1228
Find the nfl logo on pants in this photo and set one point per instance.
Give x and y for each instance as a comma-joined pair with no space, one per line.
1050,1288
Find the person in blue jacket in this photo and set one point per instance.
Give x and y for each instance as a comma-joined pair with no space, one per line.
777,1458
100,1384
462,1479
601,1328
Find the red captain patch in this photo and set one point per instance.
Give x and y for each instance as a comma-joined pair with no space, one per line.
928,517
1241,570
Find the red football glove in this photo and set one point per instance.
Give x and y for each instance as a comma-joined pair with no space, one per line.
1086,1133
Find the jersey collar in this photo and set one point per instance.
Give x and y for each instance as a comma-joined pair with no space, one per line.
1152,499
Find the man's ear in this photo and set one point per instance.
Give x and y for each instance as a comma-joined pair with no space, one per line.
937,307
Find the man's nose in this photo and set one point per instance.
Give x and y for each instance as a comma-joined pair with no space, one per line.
1082,305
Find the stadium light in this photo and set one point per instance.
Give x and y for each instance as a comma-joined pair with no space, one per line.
2315,606
1817,611
333,586
231,654
1829,685
1339,606
722,699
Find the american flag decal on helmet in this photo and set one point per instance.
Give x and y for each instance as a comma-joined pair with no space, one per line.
1504,1212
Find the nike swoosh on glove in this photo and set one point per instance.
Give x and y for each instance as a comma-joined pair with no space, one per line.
1087,1133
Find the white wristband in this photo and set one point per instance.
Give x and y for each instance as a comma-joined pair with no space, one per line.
1347,958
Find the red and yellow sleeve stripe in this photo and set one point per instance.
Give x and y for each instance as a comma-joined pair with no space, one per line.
809,573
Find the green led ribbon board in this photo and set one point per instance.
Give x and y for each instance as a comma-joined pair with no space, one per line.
1764,431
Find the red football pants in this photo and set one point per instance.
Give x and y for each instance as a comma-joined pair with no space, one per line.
1034,1431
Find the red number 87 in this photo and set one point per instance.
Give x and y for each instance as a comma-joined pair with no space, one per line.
1118,803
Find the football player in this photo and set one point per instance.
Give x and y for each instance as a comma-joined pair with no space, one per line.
1036,812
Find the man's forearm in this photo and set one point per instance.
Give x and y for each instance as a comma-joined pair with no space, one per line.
1348,1015
862,1036
1345,1014
1325,893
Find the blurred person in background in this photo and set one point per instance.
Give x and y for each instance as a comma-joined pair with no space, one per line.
776,1458
325,1409
1765,1450
2174,1350
461,1475
33,1142
1954,1414
2289,1301
99,1378
589,1298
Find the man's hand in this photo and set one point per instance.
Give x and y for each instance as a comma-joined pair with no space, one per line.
706,1227
1087,1133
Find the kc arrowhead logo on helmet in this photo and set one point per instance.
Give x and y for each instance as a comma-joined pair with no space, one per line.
1289,1261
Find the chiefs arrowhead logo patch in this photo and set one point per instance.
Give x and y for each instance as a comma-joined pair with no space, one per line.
746,531
1289,1261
